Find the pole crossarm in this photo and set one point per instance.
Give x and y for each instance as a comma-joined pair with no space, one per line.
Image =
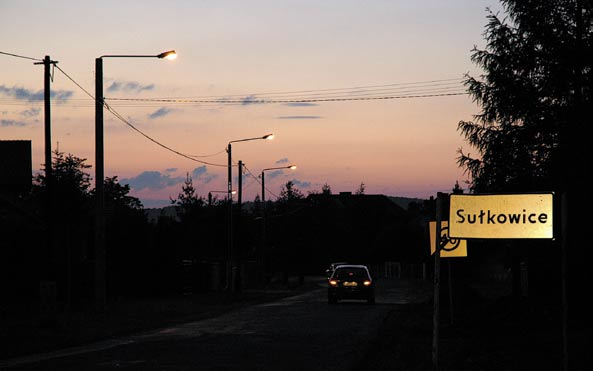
47,61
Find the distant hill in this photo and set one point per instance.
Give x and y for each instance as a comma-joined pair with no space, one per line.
153,214
404,202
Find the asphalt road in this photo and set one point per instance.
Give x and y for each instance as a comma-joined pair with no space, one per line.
300,332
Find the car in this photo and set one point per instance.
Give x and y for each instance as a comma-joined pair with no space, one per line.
351,281
332,267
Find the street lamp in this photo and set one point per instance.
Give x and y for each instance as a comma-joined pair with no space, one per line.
230,203
262,254
263,188
99,267
230,165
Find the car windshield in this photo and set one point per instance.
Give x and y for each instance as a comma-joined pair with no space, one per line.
355,273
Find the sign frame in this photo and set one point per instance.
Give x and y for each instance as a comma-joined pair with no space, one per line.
502,216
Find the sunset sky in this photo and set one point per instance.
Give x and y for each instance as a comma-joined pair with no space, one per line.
354,91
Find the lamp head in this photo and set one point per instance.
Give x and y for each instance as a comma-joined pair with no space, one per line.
292,167
171,54
268,136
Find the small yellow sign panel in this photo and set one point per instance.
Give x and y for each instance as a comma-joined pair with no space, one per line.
448,251
501,216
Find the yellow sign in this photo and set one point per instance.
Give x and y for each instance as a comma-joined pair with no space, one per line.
501,216
450,250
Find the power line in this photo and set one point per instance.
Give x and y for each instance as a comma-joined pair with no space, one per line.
256,179
22,56
421,89
271,101
390,86
121,118
210,155
264,101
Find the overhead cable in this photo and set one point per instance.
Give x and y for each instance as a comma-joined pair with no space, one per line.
121,118
22,56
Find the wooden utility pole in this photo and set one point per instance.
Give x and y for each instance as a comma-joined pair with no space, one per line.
238,226
47,78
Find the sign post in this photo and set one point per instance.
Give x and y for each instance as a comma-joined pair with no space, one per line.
437,287
486,217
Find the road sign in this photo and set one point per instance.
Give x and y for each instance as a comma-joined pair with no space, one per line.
450,250
501,216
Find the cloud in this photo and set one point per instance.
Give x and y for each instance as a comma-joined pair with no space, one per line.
250,99
61,95
5,122
29,95
198,171
282,160
301,184
299,117
163,111
274,174
156,180
132,86
152,180
201,174
300,104
34,111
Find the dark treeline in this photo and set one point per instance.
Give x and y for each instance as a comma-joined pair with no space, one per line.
47,249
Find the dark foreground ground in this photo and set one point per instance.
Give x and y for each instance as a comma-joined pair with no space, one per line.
489,330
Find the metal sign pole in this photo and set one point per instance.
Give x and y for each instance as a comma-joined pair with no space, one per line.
437,284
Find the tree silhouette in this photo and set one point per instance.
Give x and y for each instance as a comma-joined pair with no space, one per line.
361,188
117,195
534,129
530,96
290,193
70,181
188,200
457,188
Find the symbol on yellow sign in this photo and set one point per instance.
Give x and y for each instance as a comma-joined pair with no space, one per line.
452,248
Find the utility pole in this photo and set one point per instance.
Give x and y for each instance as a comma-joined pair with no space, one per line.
262,256
238,226
229,262
47,78
100,288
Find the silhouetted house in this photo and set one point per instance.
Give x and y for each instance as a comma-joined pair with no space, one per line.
24,254
344,227
15,167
